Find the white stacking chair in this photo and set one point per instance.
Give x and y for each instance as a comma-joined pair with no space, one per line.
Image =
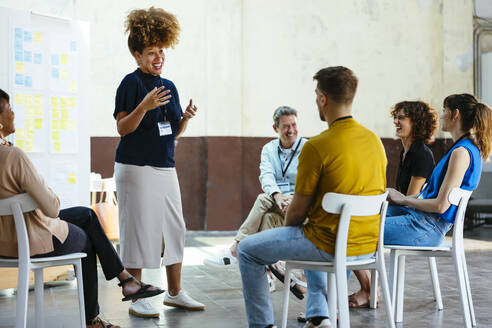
458,197
346,206
16,206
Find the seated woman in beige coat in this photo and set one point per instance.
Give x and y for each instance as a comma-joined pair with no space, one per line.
53,232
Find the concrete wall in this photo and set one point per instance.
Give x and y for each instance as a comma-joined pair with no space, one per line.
240,59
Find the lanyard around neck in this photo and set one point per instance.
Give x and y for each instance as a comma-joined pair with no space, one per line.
291,158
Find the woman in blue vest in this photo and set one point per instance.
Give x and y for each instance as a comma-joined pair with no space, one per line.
149,119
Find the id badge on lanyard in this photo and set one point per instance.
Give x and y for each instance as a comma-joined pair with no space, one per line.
164,128
284,187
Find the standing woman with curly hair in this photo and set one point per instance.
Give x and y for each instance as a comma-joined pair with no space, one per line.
149,119
416,123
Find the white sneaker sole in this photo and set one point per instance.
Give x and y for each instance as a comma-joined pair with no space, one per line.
192,308
143,315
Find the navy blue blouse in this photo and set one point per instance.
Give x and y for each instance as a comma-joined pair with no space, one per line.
145,146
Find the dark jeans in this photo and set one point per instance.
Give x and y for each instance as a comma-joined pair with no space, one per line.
85,234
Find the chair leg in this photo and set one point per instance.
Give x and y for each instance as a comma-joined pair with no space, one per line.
285,307
468,292
342,295
390,320
22,295
80,289
392,278
39,297
400,286
373,301
332,299
435,282
458,264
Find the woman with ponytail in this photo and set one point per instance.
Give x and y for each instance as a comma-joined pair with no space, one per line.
149,119
425,218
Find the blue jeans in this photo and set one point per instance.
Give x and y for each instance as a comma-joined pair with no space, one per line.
411,227
268,247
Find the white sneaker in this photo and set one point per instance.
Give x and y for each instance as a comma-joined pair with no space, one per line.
325,323
182,300
220,260
142,308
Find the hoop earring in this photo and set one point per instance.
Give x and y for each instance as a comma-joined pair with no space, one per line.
1,126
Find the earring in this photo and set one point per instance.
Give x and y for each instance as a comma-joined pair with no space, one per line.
1,126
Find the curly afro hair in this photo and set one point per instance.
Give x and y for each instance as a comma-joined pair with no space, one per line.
424,119
153,27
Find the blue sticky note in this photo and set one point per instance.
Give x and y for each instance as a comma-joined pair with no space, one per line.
18,33
18,44
55,73
28,81
19,55
27,56
54,60
27,36
19,79
38,58
73,45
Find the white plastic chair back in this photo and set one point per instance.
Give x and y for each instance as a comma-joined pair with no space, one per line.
459,197
16,206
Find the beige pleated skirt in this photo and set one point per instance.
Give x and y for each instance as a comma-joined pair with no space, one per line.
152,228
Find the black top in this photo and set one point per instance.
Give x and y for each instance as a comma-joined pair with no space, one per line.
145,146
419,162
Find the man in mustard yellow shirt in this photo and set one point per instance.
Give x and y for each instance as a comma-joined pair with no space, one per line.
346,158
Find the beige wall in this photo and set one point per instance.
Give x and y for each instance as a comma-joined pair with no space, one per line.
240,59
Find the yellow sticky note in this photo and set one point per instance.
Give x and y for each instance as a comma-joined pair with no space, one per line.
55,125
38,123
73,86
55,113
30,135
29,124
63,125
72,178
71,102
64,74
38,100
20,68
56,146
55,135
54,102
64,59
20,144
38,110
64,114
28,100
19,133
72,125
29,146
18,99
29,111
38,37
63,102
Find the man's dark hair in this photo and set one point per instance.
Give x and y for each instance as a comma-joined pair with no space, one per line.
3,95
337,82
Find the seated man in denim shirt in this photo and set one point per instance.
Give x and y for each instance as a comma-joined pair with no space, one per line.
278,170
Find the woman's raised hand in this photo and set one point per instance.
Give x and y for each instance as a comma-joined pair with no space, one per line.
155,98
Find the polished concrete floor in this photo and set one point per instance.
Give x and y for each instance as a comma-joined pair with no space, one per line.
220,290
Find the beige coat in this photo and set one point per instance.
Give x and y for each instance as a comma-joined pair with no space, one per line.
17,176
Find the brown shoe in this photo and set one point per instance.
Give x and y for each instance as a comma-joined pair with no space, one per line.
97,322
